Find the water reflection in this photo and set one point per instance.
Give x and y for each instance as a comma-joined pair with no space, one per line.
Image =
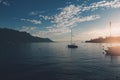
113,59
54,61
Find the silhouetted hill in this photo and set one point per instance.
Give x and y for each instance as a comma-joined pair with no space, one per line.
105,40
14,36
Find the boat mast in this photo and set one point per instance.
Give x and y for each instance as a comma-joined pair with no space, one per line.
71,36
110,34
110,29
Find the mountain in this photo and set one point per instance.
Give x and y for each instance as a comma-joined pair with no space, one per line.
14,36
105,40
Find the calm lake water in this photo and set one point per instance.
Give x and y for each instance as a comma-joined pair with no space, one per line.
54,61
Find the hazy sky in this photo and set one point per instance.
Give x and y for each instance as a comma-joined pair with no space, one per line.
55,18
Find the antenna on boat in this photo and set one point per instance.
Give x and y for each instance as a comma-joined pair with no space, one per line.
71,35
110,34
110,28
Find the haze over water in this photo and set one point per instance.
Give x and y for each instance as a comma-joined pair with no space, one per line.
54,61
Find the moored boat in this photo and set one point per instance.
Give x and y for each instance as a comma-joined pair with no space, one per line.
72,45
115,51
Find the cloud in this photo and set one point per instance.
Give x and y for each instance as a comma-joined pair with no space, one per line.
0,1
70,16
89,18
5,2
32,21
33,13
67,13
35,31
28,29
59,30
109,4
66,16
46,17
102,4
63,21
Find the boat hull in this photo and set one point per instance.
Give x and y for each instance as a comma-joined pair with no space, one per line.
72,46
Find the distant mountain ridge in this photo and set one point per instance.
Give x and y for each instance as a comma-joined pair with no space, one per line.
105,40
14,36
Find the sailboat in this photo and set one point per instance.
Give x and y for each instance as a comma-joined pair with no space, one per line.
72,45
113,50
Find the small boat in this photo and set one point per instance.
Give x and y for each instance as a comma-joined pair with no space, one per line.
115,51
72,45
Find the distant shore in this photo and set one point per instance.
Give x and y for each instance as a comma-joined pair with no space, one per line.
105,40
10,36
